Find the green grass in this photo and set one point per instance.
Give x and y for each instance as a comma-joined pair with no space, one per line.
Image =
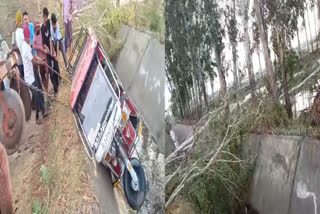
42,207
38,208
106,19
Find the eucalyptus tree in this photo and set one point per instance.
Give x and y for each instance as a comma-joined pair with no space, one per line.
265,48
313,7
256,41
216,32
232,29
298,37
283,17
307,13
178,68
247,45
188,53
305,30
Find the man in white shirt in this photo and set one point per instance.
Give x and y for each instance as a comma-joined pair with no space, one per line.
31,75
17,39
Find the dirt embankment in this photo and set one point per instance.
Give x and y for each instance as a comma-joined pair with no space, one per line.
56,147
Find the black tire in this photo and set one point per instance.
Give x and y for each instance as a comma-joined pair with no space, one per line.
135,199
25,97
26,100
15,105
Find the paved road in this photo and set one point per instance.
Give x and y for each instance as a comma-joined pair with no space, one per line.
182,132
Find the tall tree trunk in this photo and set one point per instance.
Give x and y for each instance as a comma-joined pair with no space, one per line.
180,107
248,53
305,31
281,43
202,81
315,26
234,52
318,8
309,29
234,62
299,47
190,51
204,94
265,49
212,87
181,110
195,91
200,99
222,78
189,97
259,59
194,107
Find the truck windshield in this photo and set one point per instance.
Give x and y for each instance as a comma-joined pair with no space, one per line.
107,69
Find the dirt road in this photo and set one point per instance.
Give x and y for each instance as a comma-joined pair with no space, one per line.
22,162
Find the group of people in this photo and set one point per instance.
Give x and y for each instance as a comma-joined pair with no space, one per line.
38,47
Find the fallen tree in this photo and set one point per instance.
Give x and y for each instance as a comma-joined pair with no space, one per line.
191,138
215,144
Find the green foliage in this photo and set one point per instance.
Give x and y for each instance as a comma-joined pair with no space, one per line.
193,31
38,208
225,184
108,18
155,19
231,21
45,176
292,64
271,116
147,15
221,191
113,19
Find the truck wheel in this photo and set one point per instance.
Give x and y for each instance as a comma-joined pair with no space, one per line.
12,138
25,96
135,198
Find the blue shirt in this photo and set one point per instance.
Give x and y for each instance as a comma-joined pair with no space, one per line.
31,28
55,35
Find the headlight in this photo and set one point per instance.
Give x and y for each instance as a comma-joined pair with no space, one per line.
140,129
124,117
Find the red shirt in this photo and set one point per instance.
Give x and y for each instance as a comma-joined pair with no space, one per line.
38,46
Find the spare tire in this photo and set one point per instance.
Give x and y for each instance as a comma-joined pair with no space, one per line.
135,198
15,107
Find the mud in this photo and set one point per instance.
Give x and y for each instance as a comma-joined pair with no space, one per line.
154,165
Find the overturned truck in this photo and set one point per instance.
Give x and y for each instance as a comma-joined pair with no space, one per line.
107,120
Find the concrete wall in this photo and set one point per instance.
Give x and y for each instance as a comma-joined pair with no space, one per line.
286,178
140,66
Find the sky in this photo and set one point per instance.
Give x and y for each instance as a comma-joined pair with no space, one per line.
255,60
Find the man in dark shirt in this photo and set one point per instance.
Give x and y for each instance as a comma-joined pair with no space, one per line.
46,39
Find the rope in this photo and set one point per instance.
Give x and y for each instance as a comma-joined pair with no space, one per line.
42,92
52,69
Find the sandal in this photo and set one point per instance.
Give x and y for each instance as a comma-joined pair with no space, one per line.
45,114
38,122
